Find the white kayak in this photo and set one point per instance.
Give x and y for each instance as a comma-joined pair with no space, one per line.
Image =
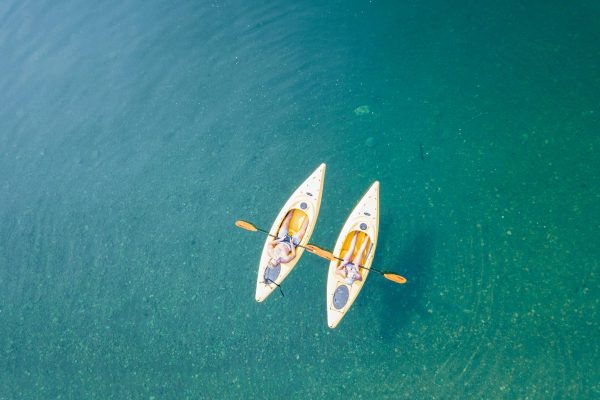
364,219
305,203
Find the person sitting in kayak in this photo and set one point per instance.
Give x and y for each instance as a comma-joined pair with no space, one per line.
351,270
283,248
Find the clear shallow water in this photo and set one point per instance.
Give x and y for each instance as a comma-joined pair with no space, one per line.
132,135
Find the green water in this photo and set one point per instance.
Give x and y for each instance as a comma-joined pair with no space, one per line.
133,134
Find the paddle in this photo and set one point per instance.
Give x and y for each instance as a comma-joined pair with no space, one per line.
322,253
329,256
249,227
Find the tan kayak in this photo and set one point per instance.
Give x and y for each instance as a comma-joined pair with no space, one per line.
364,220
305,203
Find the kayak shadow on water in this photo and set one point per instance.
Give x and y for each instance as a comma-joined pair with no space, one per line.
399,303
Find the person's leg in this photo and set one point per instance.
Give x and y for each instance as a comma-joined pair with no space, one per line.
358,259
341,270
350,252
300,234
285,226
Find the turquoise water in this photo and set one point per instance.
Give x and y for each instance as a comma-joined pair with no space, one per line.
133,134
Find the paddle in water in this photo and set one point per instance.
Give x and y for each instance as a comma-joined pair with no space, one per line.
322,253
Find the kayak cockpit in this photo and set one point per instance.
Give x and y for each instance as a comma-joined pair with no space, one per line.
362,236
298,218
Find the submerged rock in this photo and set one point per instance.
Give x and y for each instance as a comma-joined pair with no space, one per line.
362,110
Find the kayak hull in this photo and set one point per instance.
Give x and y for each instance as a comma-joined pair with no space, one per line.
306,202
363,219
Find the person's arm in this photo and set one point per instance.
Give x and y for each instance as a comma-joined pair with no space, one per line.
290,257
341,272
358,276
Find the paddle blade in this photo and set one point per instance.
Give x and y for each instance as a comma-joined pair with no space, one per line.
395,278
319,251
245,225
